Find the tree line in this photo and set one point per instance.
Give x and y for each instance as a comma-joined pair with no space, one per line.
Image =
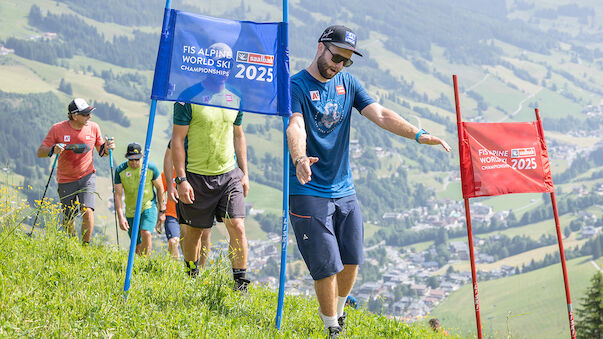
76,37
108,111
131,86
593,248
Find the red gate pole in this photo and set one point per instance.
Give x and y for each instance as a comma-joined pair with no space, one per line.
568,298
478,319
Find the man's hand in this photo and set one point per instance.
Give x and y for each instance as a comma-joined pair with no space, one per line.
58,149
109,143
245,183
186,193
172,192
302,169
160,221
123,224
429,139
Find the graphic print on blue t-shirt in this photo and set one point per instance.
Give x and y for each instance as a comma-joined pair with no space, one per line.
326,108
328,116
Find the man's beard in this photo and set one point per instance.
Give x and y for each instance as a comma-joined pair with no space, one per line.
323,67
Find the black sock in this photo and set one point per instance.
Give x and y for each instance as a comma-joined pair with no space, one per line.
192,267
238,273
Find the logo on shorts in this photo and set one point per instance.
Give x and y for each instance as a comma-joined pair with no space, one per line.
315,95
305,236
66,138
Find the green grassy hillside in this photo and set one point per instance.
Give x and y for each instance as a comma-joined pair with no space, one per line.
530,305
52,286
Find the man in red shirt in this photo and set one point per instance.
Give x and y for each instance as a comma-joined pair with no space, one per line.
75,170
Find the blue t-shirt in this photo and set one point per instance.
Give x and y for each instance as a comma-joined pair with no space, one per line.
327,109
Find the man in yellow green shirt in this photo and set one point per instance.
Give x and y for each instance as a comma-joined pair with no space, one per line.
127,179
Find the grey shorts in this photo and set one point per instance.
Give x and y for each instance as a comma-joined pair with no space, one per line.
81,190
219,196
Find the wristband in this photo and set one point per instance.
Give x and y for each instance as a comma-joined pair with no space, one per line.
299,159
419,133
162,211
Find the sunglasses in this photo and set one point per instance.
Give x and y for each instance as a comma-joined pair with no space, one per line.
337,58
133,159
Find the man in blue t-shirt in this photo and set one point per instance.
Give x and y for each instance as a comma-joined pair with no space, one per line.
324,211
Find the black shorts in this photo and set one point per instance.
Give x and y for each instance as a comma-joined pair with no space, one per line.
219,196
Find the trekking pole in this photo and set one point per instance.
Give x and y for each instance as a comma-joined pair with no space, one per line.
54,164
113,184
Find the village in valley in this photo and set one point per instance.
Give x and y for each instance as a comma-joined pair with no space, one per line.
425,282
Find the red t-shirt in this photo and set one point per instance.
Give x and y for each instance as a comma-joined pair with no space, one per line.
170,208
72,166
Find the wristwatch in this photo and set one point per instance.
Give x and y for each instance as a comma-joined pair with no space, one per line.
179,180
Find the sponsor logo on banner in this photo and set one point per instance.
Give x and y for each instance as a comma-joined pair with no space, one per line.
242,56
350,37
255,58
340,89
66,138
315,95
523,152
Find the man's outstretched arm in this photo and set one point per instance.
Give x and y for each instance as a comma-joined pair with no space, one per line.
391,121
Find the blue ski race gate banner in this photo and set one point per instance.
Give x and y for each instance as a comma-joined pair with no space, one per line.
209,61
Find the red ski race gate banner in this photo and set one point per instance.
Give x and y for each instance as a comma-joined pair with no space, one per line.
502,158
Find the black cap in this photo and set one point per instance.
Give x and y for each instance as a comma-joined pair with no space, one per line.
341,37
134,151
79,106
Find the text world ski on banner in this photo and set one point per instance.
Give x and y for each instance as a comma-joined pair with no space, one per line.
241,65
502,158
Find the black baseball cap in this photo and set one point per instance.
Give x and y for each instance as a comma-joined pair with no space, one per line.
134,151
79,106
341,37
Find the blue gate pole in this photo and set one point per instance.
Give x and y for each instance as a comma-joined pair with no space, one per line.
283,276
143,173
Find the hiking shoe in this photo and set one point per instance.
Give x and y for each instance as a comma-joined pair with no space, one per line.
241,284
333,332
341,320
